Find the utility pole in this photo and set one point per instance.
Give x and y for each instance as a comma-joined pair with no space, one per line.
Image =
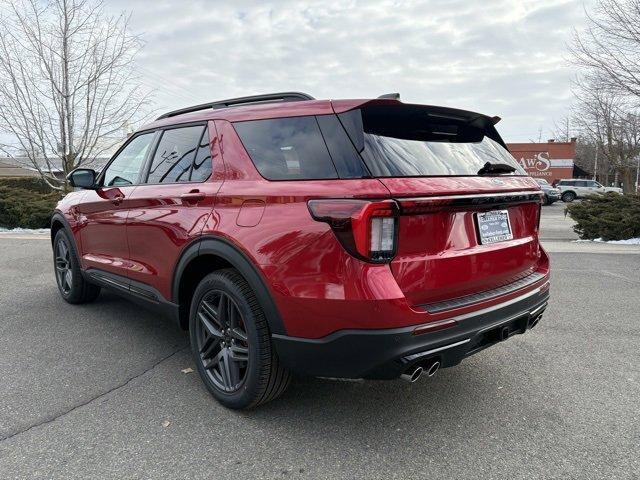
638,175
595,167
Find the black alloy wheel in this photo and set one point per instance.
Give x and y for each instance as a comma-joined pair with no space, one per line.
71,284
222,341
231,342
64,272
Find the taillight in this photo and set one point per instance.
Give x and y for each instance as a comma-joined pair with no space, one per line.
367,229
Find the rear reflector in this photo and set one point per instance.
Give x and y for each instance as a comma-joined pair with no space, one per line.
434,326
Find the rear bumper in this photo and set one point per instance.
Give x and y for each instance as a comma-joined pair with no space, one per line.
387,353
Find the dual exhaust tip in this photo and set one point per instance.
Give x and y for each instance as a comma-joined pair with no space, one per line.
414,373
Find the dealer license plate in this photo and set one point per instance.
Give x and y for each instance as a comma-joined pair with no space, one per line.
494,226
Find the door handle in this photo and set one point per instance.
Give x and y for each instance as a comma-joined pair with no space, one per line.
193,196
117,200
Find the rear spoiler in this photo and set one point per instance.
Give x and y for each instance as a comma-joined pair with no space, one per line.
457,116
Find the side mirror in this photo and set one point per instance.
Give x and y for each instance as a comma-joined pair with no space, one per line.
82,178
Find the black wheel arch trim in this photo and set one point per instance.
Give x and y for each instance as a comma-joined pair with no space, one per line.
59,217
225,249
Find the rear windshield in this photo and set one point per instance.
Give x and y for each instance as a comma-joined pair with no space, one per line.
411,141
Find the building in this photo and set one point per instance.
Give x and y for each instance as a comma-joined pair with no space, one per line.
21,167
551,160
10,169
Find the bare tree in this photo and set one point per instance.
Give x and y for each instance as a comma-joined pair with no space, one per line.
610,126
610,46
67,86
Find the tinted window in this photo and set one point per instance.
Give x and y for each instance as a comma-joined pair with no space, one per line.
566,183
408,141
581,183
593,184
174,155
202,163
125,168
287,148
344,155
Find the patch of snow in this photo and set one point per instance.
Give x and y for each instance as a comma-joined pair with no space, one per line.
25,231
629,241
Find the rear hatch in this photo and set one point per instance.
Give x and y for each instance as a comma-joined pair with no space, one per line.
459,232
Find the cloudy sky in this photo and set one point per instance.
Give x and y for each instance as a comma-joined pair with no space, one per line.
499,57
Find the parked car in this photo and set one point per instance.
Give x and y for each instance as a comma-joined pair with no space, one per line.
347,238
551,194
570,189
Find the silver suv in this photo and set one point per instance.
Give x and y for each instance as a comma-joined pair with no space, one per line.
571,189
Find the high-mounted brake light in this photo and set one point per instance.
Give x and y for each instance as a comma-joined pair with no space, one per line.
366,229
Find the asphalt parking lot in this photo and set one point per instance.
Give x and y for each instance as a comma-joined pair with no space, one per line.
98,391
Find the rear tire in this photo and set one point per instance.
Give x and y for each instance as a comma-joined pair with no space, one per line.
71,284
231,343
568,197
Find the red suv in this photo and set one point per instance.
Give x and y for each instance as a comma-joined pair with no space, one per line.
348,238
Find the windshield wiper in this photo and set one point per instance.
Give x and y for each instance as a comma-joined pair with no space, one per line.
495,168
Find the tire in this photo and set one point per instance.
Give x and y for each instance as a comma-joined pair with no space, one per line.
71,284
546,200
568,197
231,343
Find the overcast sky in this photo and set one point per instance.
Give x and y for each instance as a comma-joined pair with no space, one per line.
498,57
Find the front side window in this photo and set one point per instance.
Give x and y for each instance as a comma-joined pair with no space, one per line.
175,154
125,168
287,148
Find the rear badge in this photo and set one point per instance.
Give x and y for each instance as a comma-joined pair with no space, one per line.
494,226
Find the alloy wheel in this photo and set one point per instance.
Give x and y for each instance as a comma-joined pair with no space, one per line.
64,274
222,341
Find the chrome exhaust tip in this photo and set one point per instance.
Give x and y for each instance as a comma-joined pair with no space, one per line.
432,368
534,321
412,375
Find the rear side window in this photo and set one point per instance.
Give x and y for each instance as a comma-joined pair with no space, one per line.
415,141
287,148
175,154
202,163
566,183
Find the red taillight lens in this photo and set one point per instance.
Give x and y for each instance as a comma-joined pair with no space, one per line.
367,229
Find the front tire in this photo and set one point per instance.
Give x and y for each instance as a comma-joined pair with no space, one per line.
231,343
71,284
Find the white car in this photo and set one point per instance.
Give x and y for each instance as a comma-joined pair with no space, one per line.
571,189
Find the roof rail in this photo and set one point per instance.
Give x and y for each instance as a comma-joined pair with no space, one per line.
231,102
